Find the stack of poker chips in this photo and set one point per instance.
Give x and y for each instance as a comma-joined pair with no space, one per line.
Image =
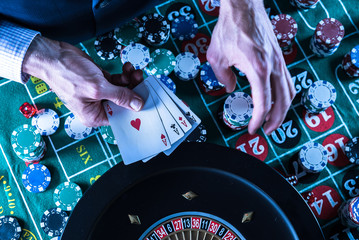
187,66
319,96
305,4
53,222
168,82
313,157
155,29
137,54
350,62
9,228
209,83
237,110
349,213
28,144
36,178
128,33
285,29
184,28
327,37
67,195
352,150
107,46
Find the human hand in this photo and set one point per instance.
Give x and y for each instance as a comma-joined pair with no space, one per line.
243,37
79,82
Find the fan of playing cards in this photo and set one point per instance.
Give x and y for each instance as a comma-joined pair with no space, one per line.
161,126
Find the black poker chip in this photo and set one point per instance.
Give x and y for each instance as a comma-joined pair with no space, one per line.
352,150
107,46
180,9
155,29
198,135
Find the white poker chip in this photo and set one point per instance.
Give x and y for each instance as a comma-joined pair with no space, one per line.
46,121
187,66
313,157
239,107
137,54
75,129
322,94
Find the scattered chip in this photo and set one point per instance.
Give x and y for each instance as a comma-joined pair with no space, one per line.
67,195
10,228
53,222
36,178
107,46
75,129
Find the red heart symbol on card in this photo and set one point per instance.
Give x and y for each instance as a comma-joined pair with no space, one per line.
136,123
109,110
164,140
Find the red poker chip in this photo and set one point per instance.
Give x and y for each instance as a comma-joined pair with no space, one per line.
284,27
329,31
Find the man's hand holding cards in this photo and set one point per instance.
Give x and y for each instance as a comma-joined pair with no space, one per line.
161,126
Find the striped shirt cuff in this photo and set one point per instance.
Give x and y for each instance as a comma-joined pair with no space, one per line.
14,42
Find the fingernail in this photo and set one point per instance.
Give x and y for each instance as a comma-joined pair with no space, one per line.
136,104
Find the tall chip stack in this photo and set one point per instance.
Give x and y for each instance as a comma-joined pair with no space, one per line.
155,29
237,110
327,37
349,213
28,144
319,96
285,29
350,62
305,4
313,157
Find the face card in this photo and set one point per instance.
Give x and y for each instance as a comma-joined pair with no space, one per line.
138,134
170,105
172,128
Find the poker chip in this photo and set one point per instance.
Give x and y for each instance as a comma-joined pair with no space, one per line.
319,96
209,79
354,56
285,29
128,33
313,157
36,178
25,139
238,109
168,82
107,47
187,66
53,222
46,121
75,129
67,195
349,213
199,134
162,62
10,228
107,134
184,28
352,150
137,54
155,29
350,62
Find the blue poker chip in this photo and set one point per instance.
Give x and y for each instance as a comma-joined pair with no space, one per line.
168,82
36,178
209,79
354,56
53,222
184,28
10,228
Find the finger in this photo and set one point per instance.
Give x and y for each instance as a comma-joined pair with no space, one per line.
125,97
223,73
136,78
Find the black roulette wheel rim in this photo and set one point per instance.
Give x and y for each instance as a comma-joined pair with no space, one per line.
103,211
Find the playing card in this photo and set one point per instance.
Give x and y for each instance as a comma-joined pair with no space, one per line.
139,134
170,105
172,128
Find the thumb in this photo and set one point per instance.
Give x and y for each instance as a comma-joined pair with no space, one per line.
125,97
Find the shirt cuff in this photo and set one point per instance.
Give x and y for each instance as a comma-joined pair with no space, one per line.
14,42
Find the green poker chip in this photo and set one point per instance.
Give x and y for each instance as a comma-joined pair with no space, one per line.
26,139
128,33
162,62
66,195
107,134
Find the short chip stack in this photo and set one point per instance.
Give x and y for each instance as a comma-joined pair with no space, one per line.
155,29
349,213
350,62
53,222
352,150
327,37
162,62
168,82
305,4
187,66
237,110
28,144
184,28
107,47
128,33
319,96
36,178
313,157
285,29
198,135
209,82
67,195
9,228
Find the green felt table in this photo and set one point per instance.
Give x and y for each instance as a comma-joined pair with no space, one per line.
84,161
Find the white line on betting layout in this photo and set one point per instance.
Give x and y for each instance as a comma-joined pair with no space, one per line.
20,191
